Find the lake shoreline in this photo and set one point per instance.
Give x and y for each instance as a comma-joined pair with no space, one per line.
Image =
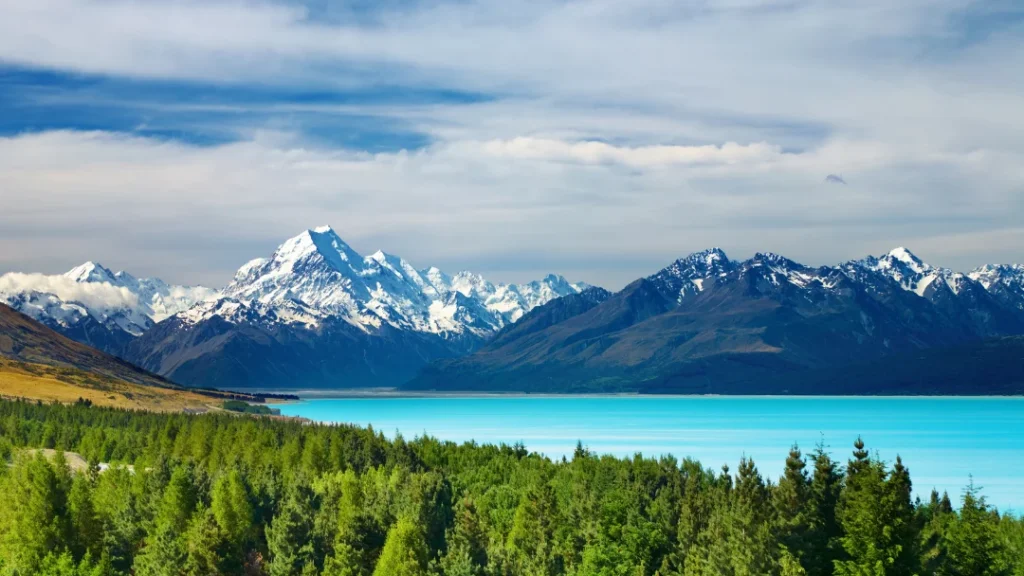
383,393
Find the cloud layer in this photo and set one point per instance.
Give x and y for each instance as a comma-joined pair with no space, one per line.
595,138
92,295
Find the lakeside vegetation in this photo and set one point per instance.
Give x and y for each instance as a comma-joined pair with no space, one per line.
246,408
220,494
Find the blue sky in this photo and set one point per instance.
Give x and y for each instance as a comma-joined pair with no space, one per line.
598,139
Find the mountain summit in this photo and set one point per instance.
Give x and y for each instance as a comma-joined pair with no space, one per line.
706,324
317,313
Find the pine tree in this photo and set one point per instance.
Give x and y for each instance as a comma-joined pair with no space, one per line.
405,552
877,519
232,508
288,536
353,541
899,513
973,546
823,546
792,501
467,543
202,539
86,530
32,515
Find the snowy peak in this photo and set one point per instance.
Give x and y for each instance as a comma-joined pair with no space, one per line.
90,296
319,244
1004,281
90,272
321,272
689,275
908,259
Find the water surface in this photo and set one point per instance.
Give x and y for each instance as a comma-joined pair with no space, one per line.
942,440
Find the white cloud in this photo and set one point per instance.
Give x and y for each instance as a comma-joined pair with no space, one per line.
92,295
621,134
194,214
636,156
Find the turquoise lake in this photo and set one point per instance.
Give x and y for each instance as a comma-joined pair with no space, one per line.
942,440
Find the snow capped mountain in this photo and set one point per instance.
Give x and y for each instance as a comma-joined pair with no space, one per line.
913,274
92,304
687,276
317,313
323,274
1004,281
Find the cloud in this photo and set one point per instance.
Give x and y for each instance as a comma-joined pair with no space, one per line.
636,156
193,214
92,295
603,137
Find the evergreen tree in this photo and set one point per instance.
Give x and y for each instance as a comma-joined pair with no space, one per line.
288,536
86,530
823,545
405,552
877,519
232,509
899,513
32,515
972,543
792,502
202,539
467,544
353,541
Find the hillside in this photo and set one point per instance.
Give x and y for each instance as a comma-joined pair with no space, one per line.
709,325
40,364
26,340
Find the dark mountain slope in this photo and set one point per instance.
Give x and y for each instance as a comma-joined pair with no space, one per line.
989,367
26,340
760,320
254,350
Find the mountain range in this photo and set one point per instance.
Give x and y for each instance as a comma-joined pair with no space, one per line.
314,314
707,324
317,314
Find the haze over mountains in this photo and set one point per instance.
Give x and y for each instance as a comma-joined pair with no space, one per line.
316,314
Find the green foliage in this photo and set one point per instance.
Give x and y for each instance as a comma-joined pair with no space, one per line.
405,551
246,408
218,494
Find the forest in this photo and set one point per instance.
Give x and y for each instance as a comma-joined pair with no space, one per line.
177,494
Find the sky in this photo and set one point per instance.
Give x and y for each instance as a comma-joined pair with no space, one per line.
597,139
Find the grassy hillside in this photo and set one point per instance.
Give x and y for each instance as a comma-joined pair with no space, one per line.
40,364
23,339
61,384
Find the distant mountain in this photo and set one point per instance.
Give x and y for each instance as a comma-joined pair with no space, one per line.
318,314
710,325
25,340
92,305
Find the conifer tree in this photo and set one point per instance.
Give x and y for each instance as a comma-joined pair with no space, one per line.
792,502
353,546
899,513
405,551
32,515
232,509
202,539
288,536
467,543
973,545
86,531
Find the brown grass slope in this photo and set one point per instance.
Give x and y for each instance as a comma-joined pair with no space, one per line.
25,340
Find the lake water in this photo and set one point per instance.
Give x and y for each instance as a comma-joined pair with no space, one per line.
942,440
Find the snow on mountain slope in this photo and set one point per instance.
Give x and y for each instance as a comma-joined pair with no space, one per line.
92,298
323,274
687,276
914,275
1004,281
